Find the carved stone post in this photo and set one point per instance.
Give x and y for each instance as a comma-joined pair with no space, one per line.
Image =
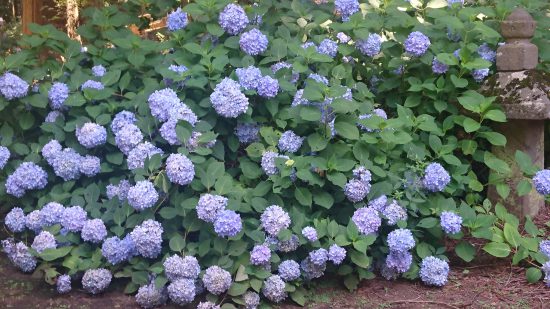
522,92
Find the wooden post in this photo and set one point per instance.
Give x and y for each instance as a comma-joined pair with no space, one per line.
31,14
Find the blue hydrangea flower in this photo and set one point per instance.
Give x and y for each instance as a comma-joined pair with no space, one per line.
27,176
51,213
4,156
19,255
394,213
371,46
319,256
96,281
58,93
90,166
94,231
136,157
274,219
453,35
289,270
161,102
268,87
367,220
342,37
310,233
400,240
142,195
544,248
379,203
176,267
285,65
399,262
209,207
168,129
260,255
336,254
228,100
208,305
228,223
328,47
247,132
98,70
486,53
307,45
318,78
92,84
439,67
290,142
91,135
44,240
179,169
299,99
356,190
451,2
33,221
50,150
362,173
53,115
311,270
450,222
346,8
149,296
12,86
417,44
436,178
178,69
253,42
434,271
216,280
480,74
176,20
195,142
546,269
15,220
233,19
251,300
66,164
121,119
288,245
268,162
73,218
249,77
182,291
541,181
147,238
274,289
63,284
117,250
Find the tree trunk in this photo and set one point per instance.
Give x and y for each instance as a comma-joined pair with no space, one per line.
13,12
72,19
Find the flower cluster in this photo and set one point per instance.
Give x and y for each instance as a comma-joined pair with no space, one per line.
357,189
290,142
98,70
216,280
96,281
149,296
147,238
177,267
253,42
434,271
417,44
346,8
179,169
12,86
274,289
19,255
233,19
367,220
370,46
436,178
274,219
176,20
268,162
228,100
91,135
27,176
450,222
58,94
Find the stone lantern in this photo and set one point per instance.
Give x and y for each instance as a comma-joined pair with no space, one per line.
523,93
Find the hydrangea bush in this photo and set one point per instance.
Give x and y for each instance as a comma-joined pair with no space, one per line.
256,148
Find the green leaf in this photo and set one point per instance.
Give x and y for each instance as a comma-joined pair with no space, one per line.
459,82
360,259
512,235
298,297
303,195
533,274
317,142
177,243
524,187
465,251
472,101
238,288
495,163
470,125
214,171
346,129
497,249
323,199
53,254
495,115
428,223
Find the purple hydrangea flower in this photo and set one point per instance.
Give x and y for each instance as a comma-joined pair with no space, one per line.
96,281
208,305
371,46
98,70
289,270
216,280
319,256
121,119
180,169
176,267
342,37
439,67
318,78
15,220
233,19
311,270
451,2
128,137
253,42
328,47
288,245
544,248
480,74
63,284
149,296
66,164
356,190
546,269
73,218
541,181
247,132
27,176
450,222
260,255
299,99
90,166
182,291
346,8
147,238
228,223
400,240
307,45
285,65
486,53
274,219
274,289
58,93
94,231
91,135
92,84
336,254
142,195
268,87
44,240
19,255
138,155
176,20
367,220
249,77
228,100
399,262
436,178
53,115
4,156
117,250
379,203
310,233
251,300
434,271
51,213
209,207
12,86
417,44
161,103
394,213
268,162
50,150
290,142
33,221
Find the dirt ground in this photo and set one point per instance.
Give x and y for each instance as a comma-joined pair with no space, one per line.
484,283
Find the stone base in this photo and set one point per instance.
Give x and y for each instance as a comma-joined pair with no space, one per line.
527,136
